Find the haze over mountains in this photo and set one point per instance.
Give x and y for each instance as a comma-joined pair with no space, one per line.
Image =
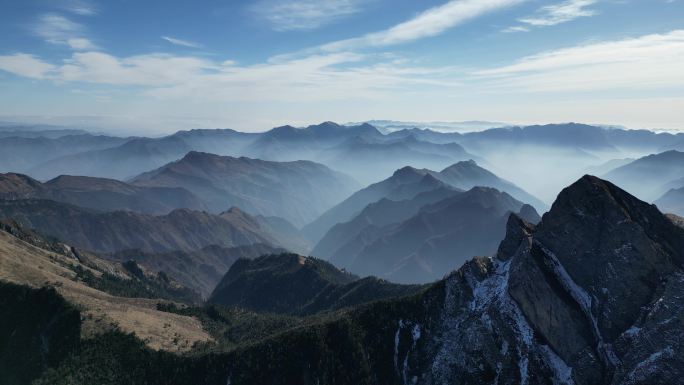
368,155
608,266
297,191
421,253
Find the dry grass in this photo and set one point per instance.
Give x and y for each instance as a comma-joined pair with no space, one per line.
23,263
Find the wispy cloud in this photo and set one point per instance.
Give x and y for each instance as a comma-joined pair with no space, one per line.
561,13
293,15
318,77
57,29
79,7
516,28
652,62
646,62
181,42
431,22
25,65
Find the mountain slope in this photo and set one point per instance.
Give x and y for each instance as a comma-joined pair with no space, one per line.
439,238
99,193
294,284
200,270
648,177
406,183
379,214
22,154
594,294
181,229
468,174
672,202
120,162
590,296
296,191
57,268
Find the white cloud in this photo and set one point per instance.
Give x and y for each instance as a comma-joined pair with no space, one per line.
650,61
517,28
292,15
181,42
431,22
25,65
79,7
57,29
334,76
560,13
80,44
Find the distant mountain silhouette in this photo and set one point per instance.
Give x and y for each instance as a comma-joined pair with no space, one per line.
406,183
298,191
672,202
99,193
439,237
23,154
651,176
181,229
121,162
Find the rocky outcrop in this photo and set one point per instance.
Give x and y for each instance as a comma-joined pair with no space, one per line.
592,295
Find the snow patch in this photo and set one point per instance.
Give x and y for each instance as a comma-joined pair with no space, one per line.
583,299
649,366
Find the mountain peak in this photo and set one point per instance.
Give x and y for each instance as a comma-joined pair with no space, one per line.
462,165
408,171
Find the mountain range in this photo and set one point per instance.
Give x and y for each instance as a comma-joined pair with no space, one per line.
297,191
651,176
439,237
284,257
109,232
99,193
590,295
408,182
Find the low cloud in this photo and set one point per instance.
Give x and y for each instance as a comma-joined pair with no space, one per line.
649,61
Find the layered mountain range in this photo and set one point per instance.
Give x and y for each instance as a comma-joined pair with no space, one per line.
590,295
99,193
651,176
408,182
216,256
297,191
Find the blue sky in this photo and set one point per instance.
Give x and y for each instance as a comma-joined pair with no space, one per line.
159,66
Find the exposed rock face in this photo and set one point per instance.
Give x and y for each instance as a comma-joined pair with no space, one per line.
592,295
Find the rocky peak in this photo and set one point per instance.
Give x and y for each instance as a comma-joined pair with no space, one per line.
597,260
517,231
528,213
